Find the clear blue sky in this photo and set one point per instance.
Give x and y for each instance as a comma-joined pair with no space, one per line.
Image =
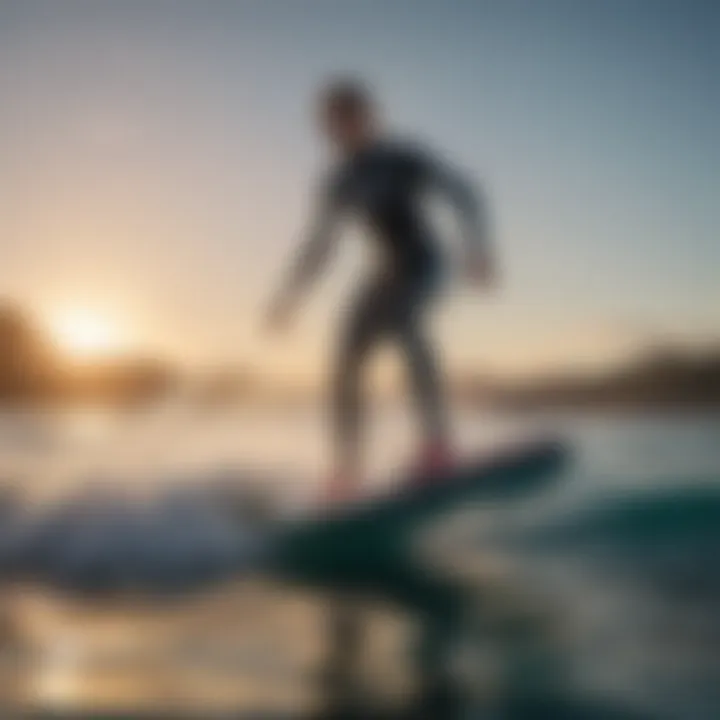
158,157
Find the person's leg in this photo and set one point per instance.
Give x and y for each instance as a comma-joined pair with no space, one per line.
426,384
362,330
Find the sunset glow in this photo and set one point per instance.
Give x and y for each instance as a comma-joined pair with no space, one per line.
85,334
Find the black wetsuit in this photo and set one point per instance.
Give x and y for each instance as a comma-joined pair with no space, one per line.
384,186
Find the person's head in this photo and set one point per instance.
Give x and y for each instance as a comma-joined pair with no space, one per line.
347,115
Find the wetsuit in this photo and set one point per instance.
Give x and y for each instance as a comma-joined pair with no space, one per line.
384,187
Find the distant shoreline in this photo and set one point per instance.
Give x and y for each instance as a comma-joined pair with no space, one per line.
34,374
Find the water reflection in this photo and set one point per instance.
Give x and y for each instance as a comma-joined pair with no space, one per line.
600,597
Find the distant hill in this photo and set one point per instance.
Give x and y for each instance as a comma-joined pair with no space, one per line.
663,378
32,372
28,366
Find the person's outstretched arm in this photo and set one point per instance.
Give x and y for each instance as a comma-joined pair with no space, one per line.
311,258
471,204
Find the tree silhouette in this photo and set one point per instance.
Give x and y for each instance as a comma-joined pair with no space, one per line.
28,365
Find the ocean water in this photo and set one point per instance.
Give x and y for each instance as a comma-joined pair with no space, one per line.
600,594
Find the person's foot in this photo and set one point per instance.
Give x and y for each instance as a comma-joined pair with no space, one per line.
340,488
434,459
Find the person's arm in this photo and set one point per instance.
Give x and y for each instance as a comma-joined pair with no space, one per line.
471,204
311,258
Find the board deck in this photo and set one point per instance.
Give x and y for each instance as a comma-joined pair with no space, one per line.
365,544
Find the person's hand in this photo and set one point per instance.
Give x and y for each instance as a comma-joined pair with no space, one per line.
481,270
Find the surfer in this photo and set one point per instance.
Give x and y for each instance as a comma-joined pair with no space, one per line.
383,182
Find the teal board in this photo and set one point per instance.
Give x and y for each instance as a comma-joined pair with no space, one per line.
364,547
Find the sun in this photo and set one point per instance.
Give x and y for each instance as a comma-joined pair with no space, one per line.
85,334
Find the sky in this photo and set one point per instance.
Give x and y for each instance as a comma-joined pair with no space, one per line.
158,161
